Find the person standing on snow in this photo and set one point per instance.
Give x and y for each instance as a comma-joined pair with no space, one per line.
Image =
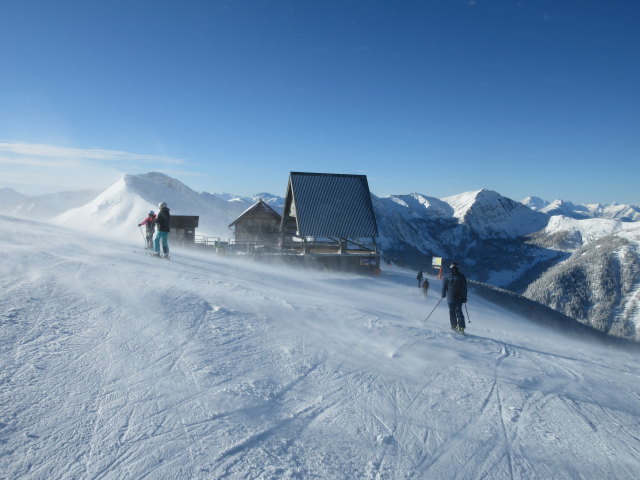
150,224
163,220
425,286
419,277
454,288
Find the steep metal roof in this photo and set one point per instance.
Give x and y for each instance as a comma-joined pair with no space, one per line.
332,205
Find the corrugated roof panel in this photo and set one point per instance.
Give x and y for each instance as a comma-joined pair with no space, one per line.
333,205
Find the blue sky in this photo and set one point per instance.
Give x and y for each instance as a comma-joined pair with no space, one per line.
437,97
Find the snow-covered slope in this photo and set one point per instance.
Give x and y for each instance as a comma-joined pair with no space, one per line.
205,367
599,284
615,211
588,230
118,210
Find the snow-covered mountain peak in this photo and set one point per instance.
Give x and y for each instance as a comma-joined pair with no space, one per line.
624,213
566,208
269,198
153,182
535,203
462,202
119,209
491,215
558,203
417,204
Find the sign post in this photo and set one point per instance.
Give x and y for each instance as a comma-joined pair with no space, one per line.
436,262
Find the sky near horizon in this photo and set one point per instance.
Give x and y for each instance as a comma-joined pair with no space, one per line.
437,97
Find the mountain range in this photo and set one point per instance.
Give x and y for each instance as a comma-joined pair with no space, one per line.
613,211
581,260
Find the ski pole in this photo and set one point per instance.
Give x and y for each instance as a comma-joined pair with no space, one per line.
143,237
467,310
434,309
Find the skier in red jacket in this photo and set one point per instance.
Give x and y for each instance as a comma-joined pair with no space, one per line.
150,223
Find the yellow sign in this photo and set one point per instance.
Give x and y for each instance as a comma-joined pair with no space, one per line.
436,262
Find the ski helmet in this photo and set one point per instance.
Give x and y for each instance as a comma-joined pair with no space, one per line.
453,267
151,212
162,205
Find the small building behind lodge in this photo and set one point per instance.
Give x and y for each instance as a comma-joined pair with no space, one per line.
183,229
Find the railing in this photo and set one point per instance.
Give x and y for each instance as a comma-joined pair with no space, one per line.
209,241
327,245
286,246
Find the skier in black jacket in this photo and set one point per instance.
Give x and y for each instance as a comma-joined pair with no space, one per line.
163,221
454,287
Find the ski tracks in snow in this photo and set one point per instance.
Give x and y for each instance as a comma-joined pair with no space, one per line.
199,369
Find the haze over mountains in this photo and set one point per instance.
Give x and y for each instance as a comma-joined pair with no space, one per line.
581,260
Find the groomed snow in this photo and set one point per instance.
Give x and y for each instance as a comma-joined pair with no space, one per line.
119,365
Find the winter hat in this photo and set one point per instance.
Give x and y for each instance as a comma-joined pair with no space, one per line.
453,267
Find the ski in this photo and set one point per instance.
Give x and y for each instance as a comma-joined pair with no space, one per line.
163,256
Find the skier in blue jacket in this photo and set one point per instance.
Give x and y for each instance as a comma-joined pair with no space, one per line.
163,221
454,288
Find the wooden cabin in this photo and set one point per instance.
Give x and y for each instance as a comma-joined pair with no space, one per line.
257,225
